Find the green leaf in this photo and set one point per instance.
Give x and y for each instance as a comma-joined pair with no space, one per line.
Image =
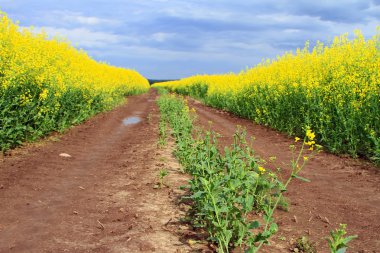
250,250
197,195
254,225
342,250
301,178
273,228
349,238
223,209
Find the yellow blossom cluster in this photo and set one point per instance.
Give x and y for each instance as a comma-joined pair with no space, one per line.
310,139
261,170
25,55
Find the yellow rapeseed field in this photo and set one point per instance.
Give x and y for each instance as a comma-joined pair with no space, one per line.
48,85
333,89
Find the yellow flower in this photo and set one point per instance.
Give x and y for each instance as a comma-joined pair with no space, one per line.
44,94
310,134
305,158
310,143
262,170
297,139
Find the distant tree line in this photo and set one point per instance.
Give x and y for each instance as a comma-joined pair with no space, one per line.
152,81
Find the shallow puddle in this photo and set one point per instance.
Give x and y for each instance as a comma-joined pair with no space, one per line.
131,120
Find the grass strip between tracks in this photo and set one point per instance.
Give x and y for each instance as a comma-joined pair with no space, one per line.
227,187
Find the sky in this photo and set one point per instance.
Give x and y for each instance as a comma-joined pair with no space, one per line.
170,39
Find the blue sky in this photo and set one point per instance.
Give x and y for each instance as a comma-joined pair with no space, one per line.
179,38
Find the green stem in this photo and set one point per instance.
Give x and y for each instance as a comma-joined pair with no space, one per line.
294,173
224,242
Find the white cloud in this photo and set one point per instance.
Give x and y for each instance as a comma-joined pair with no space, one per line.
83,37
79,18
85,20
162,37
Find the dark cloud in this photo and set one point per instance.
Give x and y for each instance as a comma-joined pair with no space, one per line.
335,11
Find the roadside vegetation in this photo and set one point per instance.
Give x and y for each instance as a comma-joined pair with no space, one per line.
48,85
333,89
229,186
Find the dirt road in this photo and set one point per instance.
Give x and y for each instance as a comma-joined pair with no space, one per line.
341,190
101,199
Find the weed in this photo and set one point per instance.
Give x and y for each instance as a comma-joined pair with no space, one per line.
304,245
163,134
338,240
161,176
227,186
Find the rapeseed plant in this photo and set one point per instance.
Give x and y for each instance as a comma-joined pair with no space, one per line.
334,88
47,84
